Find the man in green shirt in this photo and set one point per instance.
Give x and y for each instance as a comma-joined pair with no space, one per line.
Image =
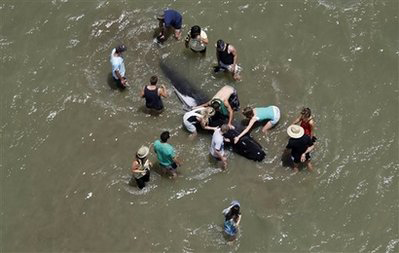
166,154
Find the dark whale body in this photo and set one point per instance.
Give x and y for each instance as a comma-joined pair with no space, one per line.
190,96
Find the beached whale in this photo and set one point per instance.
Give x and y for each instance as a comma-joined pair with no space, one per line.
190,96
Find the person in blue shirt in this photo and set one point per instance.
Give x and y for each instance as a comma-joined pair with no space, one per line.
169,19
118,66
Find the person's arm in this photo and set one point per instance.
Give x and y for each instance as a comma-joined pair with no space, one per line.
136,168
238,220
118,74
187,40
176,160
142,92
235,56
203,105
311,123
204,40
204,124
162,91
246,130
217,57
303,156
297,120
161,26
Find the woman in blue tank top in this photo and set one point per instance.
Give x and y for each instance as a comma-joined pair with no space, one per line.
270,113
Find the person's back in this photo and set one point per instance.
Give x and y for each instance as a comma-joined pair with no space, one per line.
152,99
165,153
224,93
299,145
152,94
172,18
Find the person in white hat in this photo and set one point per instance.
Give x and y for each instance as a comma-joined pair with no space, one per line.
141,167
300,145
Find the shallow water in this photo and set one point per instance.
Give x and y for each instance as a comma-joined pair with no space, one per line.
68,139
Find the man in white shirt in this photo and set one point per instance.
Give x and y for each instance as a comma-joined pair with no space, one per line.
118,66
217,145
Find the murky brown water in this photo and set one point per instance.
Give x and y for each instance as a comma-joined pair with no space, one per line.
68,139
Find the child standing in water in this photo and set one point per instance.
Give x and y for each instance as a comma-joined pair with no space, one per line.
232,218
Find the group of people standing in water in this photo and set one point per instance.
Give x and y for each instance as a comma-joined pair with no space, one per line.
216,115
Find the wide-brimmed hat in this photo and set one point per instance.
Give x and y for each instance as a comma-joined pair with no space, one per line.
295,131
143,152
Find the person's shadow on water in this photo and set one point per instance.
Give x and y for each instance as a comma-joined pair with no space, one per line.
286,159
113,84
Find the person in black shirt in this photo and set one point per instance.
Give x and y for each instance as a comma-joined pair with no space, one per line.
153,94
300,145
226,55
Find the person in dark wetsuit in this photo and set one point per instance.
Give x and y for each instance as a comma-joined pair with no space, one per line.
152,94
226,55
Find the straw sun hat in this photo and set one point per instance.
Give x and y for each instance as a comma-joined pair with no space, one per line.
143,152
295,131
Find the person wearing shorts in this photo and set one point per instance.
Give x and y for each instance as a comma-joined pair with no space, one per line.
217,145
166,154
271,114
169,19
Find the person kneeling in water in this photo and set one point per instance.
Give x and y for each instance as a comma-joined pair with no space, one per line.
232,218
197,116
270,113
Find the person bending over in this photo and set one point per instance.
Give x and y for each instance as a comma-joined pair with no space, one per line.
169,19
199,116
270,113
225,102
